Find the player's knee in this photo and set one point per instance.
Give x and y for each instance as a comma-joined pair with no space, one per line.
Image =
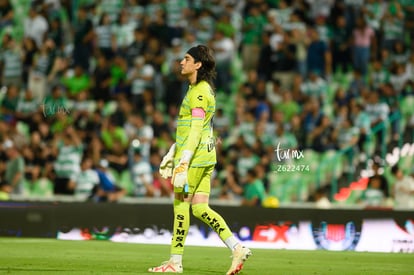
181,206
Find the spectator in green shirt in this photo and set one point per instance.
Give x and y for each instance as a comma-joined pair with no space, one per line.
77,83
253,26
408,8
55,103
111,133
288,106
254,190
14,172
118,71
8,105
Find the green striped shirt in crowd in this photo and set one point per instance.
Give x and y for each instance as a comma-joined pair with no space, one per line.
104,35
112,7
174,10
409,3
393,28
85,181
12,63
43,64
27,106
67,164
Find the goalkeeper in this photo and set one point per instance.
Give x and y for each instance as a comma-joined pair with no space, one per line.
191,160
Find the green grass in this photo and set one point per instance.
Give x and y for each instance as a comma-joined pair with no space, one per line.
49,256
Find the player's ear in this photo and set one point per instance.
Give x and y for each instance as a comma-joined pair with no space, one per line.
198,65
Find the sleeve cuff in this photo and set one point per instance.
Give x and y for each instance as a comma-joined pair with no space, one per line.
186,156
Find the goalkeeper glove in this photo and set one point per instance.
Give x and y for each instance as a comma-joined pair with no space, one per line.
179,178
167,163
180,172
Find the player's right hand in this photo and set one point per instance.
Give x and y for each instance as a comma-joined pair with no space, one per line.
179,178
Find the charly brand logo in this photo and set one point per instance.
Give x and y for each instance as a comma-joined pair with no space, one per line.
50,109
287,160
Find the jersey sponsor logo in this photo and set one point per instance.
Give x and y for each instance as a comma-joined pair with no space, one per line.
200,97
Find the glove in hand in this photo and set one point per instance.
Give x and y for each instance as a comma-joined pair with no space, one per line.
179,178
167,163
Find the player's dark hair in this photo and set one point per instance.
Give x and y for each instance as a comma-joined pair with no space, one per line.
207,71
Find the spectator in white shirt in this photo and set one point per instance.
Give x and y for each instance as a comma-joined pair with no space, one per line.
142,177
35,26
224,48
137,128
85,180
378,113
403,189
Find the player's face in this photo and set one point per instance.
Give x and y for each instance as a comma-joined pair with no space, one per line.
188,65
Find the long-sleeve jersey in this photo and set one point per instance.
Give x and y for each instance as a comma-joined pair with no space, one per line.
194,133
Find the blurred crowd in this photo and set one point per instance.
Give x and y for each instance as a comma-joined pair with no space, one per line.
91,89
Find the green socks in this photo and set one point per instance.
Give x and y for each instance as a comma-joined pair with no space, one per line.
181,226
210,217
203,212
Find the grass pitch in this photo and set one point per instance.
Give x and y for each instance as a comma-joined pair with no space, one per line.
49,256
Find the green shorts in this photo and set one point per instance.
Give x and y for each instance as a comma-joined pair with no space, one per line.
199,180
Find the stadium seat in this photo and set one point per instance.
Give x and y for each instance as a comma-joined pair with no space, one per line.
343,194
361,184
23,129
324,169
406,163
276,181
327,165
2,95
286,186
406,106
125,181
115,175
42,188
109,108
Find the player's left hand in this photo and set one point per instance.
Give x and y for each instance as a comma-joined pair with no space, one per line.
179,178
167,163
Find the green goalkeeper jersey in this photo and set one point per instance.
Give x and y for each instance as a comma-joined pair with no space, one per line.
194,133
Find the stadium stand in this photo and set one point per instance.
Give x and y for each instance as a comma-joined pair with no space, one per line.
118,82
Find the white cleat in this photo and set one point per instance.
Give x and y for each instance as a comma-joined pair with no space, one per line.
167,267
240,255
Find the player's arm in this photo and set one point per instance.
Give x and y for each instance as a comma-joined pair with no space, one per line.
198,104
197,120
179,178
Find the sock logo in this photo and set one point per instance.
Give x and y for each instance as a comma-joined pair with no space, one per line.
212,222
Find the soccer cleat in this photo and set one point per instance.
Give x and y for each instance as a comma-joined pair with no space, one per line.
167,267
240,255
